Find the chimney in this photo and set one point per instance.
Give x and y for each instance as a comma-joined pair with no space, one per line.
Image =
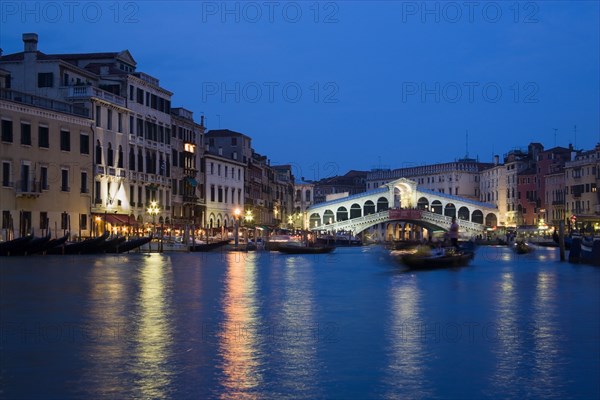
30,41
496,159
202,120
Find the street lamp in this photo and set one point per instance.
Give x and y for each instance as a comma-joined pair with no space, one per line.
237,212
153,210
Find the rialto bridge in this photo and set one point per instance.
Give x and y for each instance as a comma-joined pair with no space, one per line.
400,210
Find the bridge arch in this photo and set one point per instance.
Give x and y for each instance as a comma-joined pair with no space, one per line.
423,203
328,217
314,220
355,211
436,207
382,204
341,214
463,213
477,217
491,220
403,194
450,210
369,207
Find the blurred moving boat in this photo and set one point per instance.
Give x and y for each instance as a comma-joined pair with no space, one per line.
522,248
300,248
427,258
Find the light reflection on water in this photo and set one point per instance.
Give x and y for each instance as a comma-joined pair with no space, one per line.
153,329
406,368
238,340
147,316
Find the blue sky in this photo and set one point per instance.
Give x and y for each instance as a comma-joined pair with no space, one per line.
332,86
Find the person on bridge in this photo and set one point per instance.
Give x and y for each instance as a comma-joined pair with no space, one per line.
454,234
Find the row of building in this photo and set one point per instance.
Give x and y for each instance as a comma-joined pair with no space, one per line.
88,143
531,187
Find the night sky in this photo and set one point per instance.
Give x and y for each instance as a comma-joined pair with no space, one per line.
332,86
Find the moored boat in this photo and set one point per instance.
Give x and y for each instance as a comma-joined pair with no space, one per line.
35,245
299,248
129,245
87,246
14,246
201,247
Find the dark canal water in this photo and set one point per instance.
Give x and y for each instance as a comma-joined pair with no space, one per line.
347,325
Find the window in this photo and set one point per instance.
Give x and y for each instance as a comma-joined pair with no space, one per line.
7,133
44,177
140,161
98,153
174,184
83,221
25,134
109,119
131,120
120,155
120,122
234,141
140,96
84,143
65,140
110,156
212,193
97,193
175,157
131,92
6,174
84,184
6,219
64,221
131,159
45,79
64,181
98,115
140,127
43,220
43,137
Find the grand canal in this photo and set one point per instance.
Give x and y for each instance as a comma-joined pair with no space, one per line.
263,325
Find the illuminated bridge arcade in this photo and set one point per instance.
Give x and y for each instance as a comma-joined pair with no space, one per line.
400,210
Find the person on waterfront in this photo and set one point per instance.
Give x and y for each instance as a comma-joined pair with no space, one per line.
454,233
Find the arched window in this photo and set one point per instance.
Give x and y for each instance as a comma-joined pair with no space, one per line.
98,153
120,155
148,162
140,161
131,159
110,159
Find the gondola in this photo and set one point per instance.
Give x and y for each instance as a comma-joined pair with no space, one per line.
112,245
301,249
88,246
129,245
202,247
103,247
34,245
14,246
522,248
54,243
432,261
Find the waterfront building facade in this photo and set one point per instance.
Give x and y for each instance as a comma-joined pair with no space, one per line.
493,183
458,178
224,192
582,198
352,182
187,148
303,198
46,167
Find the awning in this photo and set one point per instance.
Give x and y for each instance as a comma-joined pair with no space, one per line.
116,219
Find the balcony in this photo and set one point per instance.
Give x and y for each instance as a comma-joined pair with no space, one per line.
112,171
42,102
100,169
28,188
83,92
